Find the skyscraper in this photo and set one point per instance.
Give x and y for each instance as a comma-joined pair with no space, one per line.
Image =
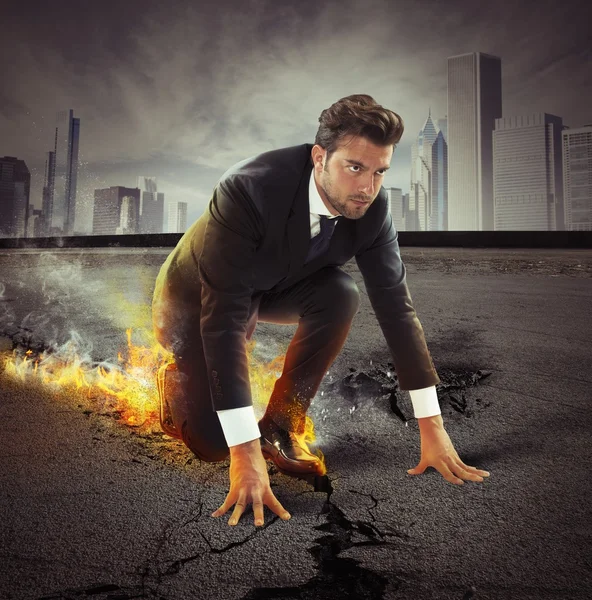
15,183
177,221
396,208
421,166
63,203
577,178
527,173
428,191
439,182
116,210
442,125
474,102
47,202
129,212
151,206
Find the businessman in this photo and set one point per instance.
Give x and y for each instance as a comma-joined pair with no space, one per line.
268,248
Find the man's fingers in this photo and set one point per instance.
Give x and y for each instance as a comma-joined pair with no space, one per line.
228,502
419,469
258,510
239,508
466,472
442,467
474,469
275,506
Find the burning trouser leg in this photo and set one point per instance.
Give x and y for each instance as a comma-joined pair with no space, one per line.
186,387
324,306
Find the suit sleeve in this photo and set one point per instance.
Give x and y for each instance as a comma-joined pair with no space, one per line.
232,235
385,279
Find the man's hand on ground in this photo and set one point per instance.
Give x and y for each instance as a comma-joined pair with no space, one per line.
249,483
437,451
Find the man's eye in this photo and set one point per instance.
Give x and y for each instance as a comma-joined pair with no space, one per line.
354,168
381,172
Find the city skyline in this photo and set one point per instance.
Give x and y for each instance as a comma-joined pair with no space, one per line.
188,111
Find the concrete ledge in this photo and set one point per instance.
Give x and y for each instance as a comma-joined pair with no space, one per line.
462,239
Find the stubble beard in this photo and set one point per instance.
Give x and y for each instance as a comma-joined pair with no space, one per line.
345,209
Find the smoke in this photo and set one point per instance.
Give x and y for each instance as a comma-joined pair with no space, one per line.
48,295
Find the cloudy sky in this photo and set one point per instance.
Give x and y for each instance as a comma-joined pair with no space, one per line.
181,90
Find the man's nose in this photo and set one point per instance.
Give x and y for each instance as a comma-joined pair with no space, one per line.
367,185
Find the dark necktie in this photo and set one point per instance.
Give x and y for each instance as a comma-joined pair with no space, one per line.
320,242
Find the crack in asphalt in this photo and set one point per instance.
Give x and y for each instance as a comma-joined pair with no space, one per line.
375,500
453,385
381,381
339,578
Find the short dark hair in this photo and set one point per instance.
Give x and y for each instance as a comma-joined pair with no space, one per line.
358,115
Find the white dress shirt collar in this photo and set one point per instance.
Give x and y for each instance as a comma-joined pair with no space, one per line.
315,203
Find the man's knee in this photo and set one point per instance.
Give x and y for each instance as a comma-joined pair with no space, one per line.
339,293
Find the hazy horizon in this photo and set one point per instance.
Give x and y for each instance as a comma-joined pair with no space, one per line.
183,92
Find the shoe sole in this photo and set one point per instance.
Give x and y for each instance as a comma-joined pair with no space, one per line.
160,381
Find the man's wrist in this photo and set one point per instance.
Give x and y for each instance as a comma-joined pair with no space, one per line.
246,448
425,402
426,423
238,425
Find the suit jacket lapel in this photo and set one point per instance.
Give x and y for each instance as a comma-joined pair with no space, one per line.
299,223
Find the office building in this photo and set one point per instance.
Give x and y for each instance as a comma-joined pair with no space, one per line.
442,125
438,206
177,217
116,211
62,204
129,213
396,208
44,227
428,194
527,173
474,102
151,206
419,194
35,222
577,178
15,184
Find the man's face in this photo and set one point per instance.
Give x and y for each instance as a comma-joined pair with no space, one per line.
349,181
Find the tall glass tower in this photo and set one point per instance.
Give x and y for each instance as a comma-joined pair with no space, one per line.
63,203
474,103
421,172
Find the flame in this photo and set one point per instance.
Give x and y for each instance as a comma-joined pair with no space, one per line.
128,388
263,376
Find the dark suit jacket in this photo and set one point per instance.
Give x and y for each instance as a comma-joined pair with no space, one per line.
253,238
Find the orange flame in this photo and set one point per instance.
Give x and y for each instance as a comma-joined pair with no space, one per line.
129,387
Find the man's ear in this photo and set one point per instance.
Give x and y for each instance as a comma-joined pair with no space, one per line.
318,155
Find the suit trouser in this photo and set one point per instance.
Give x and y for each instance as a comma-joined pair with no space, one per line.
323,305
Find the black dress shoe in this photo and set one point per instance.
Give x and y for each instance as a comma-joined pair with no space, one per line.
165,383
288,451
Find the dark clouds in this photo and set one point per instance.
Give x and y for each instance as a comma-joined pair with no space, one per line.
182,90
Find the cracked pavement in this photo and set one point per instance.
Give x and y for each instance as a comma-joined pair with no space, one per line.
93,508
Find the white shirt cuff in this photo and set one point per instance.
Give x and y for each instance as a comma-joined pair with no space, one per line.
425,402
239,425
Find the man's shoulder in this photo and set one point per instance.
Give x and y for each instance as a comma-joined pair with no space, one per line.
271,166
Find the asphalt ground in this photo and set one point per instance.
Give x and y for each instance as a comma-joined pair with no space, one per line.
94,507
